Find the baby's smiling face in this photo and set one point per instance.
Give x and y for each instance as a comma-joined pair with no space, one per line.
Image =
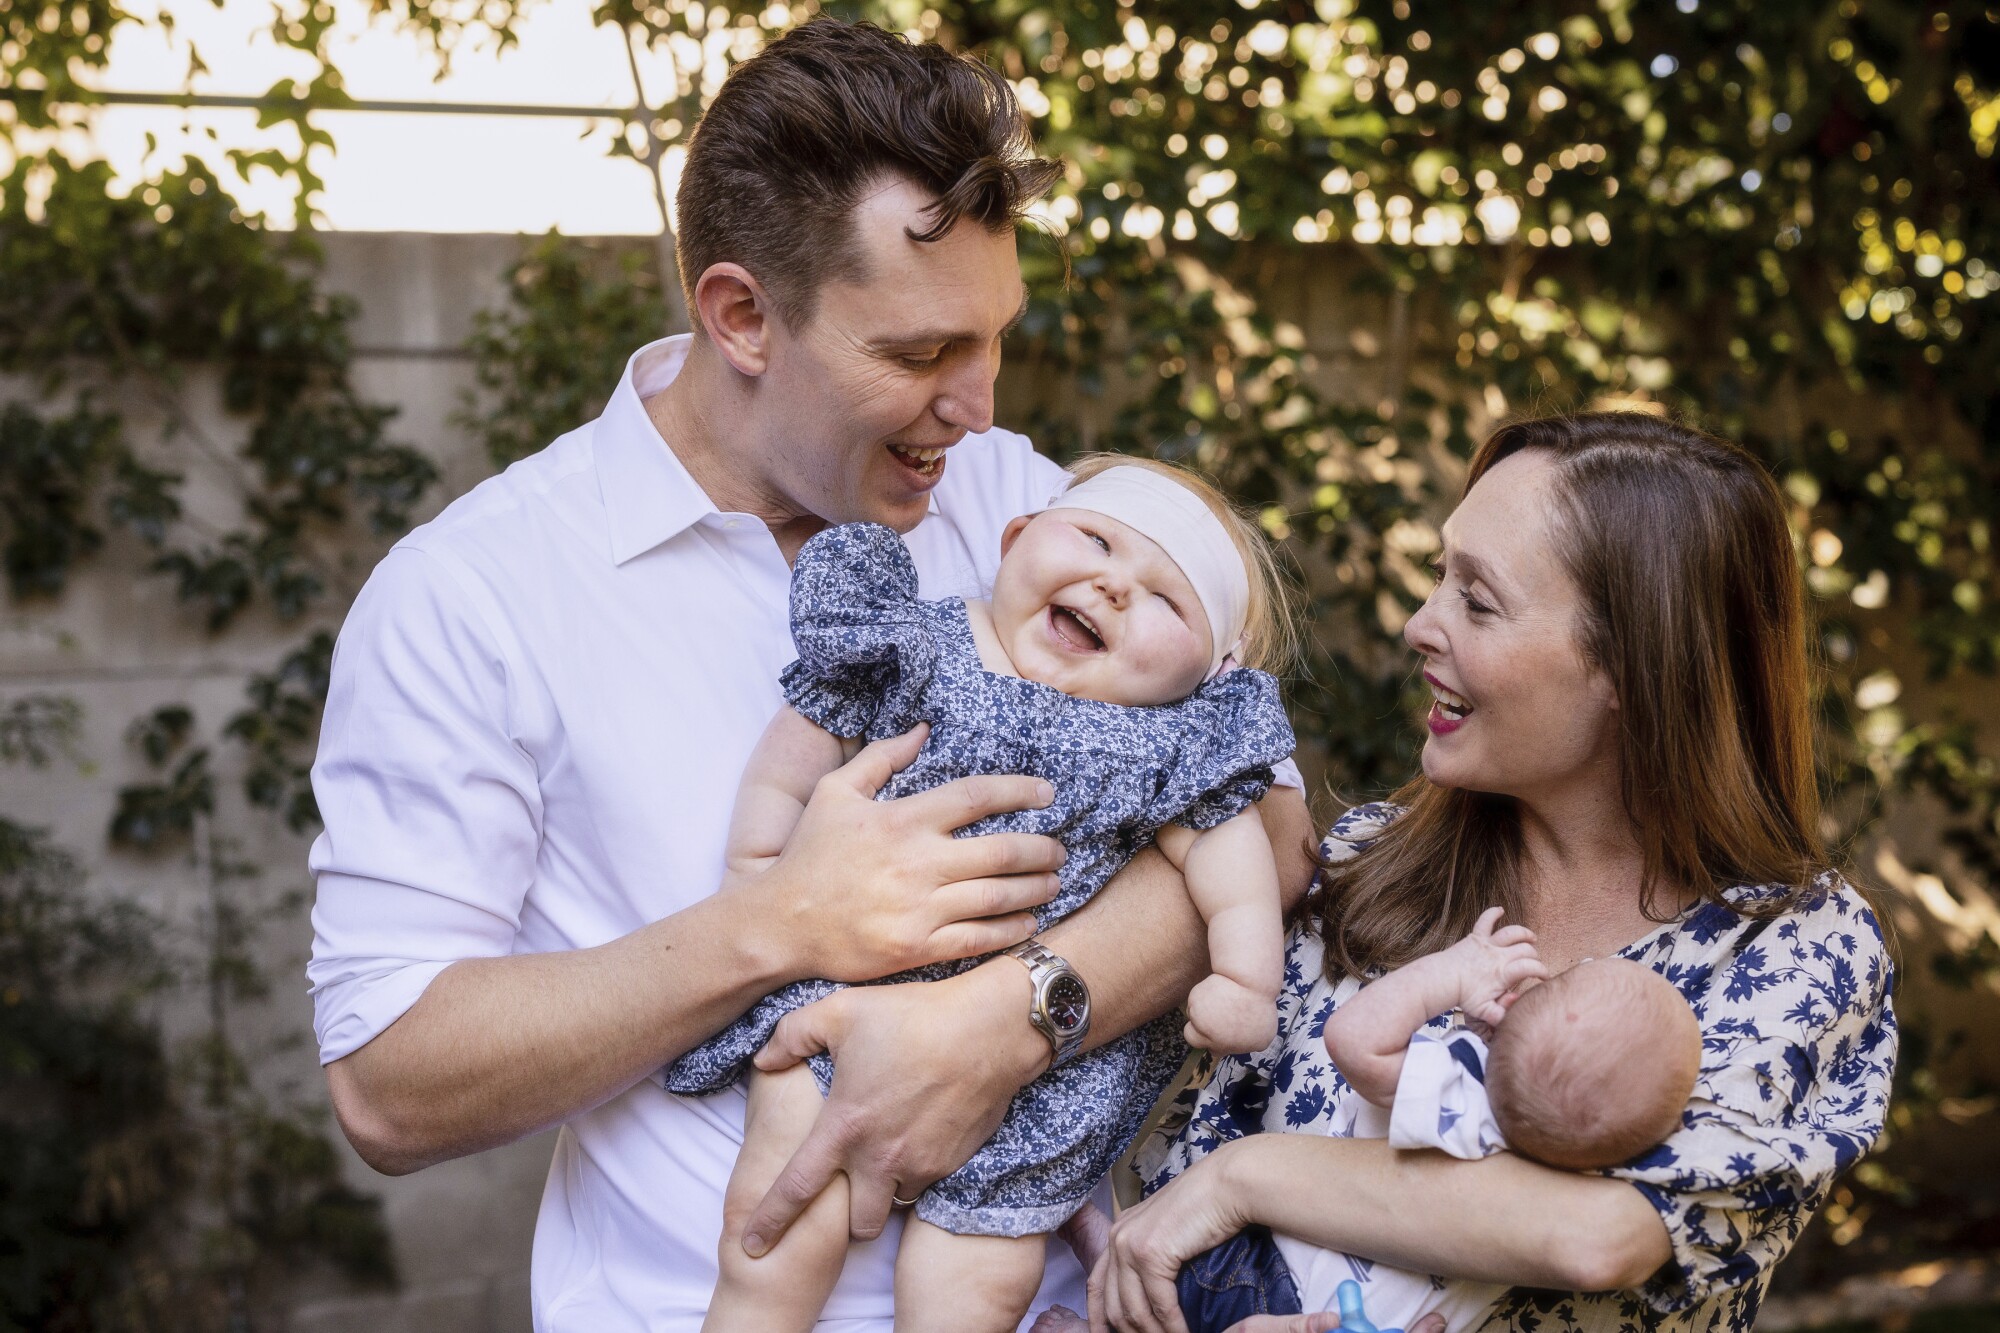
1089,606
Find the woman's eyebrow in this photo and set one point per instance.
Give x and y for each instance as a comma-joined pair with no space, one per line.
1474,570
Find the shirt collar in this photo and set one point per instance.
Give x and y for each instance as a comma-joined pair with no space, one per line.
648,495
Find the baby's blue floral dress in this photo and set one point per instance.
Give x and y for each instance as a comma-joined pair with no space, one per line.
1798,1050
874,661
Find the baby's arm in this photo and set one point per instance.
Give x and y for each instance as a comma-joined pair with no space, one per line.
1368,1036
791,757
1233,879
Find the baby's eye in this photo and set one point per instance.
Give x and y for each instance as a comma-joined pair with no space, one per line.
1172,605
1101,543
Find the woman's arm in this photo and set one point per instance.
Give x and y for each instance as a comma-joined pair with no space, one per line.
1502,1219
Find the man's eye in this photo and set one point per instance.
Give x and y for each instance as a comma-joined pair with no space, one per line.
922,362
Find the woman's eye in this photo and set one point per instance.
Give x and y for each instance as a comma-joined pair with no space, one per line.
1473,604
1436,566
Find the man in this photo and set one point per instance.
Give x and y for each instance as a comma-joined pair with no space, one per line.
543,699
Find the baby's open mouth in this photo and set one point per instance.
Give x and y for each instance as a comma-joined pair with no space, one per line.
1075,629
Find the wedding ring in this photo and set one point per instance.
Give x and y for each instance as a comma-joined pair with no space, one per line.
902,1203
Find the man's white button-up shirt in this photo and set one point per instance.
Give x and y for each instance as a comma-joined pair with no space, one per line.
541,705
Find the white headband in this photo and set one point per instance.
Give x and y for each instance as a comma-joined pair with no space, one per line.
1182,524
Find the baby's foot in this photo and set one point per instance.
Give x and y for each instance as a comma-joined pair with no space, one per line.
1060,1319
1087,1233
1229,1018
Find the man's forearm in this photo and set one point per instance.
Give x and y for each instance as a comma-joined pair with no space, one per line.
1502,1219
1140,943
498,1048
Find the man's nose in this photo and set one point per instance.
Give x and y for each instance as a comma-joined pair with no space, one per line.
965,399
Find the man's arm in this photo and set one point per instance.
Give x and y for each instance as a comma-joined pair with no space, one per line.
924,1072
497,1048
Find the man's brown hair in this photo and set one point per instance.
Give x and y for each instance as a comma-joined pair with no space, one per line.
1692,604
801,129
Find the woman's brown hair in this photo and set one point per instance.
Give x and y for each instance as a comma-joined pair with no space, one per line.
1691,604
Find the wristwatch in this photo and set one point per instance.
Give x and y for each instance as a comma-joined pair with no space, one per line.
1061,1007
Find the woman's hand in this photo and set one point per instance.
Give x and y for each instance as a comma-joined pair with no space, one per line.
866,888
923,1074
1133,1288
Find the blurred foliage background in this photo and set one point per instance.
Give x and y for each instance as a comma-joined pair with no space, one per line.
1780,219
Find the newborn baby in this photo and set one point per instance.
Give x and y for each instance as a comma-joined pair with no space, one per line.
1583,1070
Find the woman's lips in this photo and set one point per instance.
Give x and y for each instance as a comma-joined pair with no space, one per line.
1442,723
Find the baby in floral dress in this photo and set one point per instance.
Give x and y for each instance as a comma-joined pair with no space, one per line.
1103,664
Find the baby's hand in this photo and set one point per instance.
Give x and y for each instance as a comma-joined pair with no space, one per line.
1229,1018
1491,964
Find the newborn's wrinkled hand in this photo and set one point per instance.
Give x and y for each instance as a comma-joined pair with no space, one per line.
1229,1018
1493,963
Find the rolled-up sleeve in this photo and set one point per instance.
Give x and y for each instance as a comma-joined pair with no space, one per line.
431,807
1799,1052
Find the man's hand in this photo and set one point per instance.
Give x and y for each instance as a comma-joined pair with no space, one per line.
867,888
923,1074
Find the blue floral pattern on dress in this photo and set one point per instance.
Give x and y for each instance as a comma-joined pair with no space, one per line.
875,660
1798,1051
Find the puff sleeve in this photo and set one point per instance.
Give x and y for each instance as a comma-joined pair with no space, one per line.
1235,729
865,648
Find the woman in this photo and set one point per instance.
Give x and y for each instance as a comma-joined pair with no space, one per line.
1620,756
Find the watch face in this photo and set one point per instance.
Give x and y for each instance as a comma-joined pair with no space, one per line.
1067,1003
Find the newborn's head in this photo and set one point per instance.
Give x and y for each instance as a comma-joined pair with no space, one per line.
1594,1066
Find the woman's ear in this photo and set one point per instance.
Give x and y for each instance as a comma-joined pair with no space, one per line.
1011,531
737,316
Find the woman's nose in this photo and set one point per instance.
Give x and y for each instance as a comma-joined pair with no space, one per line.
1421,632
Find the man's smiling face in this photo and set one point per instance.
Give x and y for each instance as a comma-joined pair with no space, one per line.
892,366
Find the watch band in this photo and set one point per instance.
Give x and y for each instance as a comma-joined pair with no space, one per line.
1044,967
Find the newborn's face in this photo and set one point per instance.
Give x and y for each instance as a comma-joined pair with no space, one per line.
1093,608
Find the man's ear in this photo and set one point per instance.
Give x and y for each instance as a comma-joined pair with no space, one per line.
1011,531
736,314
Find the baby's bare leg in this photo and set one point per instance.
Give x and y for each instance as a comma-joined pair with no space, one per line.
786,1288
965,1284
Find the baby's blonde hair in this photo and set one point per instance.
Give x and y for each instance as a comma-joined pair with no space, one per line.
1595,1066
1270,632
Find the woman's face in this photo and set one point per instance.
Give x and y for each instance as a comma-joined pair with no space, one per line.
1517,709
